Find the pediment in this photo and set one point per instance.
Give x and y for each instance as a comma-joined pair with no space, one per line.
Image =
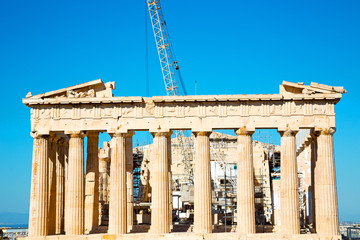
314,88
95,88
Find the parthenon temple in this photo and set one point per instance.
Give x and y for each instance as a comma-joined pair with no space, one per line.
91,195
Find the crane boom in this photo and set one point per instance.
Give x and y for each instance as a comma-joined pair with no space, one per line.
169,65
166,55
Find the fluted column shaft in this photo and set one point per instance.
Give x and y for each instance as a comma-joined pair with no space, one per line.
289,196
75,189
60,187
92,182
53,147
129,180
202,184
170,182
117,208
245,183
66,164
326,207
39,188
160,184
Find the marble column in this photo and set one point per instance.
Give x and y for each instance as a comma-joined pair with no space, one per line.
202,184
117,208
160,184
75,189
326,207
129,180
170,182
245,183
289,196
39,187
52,184
66,164
60,187
92,182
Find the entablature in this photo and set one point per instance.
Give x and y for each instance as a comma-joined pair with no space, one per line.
55,112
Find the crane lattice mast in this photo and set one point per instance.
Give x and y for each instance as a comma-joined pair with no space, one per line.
166,55
169,65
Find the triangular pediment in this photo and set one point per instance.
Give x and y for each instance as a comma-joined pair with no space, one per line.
95,88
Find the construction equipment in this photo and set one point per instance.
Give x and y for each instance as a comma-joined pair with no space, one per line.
169,65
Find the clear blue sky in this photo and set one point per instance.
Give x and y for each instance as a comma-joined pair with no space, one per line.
229,47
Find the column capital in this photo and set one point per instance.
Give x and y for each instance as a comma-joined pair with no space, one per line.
121,134
244,131
202,133
162,134
75,134
37,135
325,131
288,133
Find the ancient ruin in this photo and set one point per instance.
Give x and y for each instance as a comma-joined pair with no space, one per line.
66,198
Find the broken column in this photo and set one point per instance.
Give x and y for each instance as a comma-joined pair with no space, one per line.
104,161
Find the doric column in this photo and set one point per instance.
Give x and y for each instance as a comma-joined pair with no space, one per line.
39,187
92,182
245,183
75,190
289,196
60,187
66,164
326,208
117,208
52,184
170,182
202,184
160,184
129,180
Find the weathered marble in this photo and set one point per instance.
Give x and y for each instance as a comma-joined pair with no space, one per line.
92,182
160,184
59,192
75,204
245,183
202,184
117,208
